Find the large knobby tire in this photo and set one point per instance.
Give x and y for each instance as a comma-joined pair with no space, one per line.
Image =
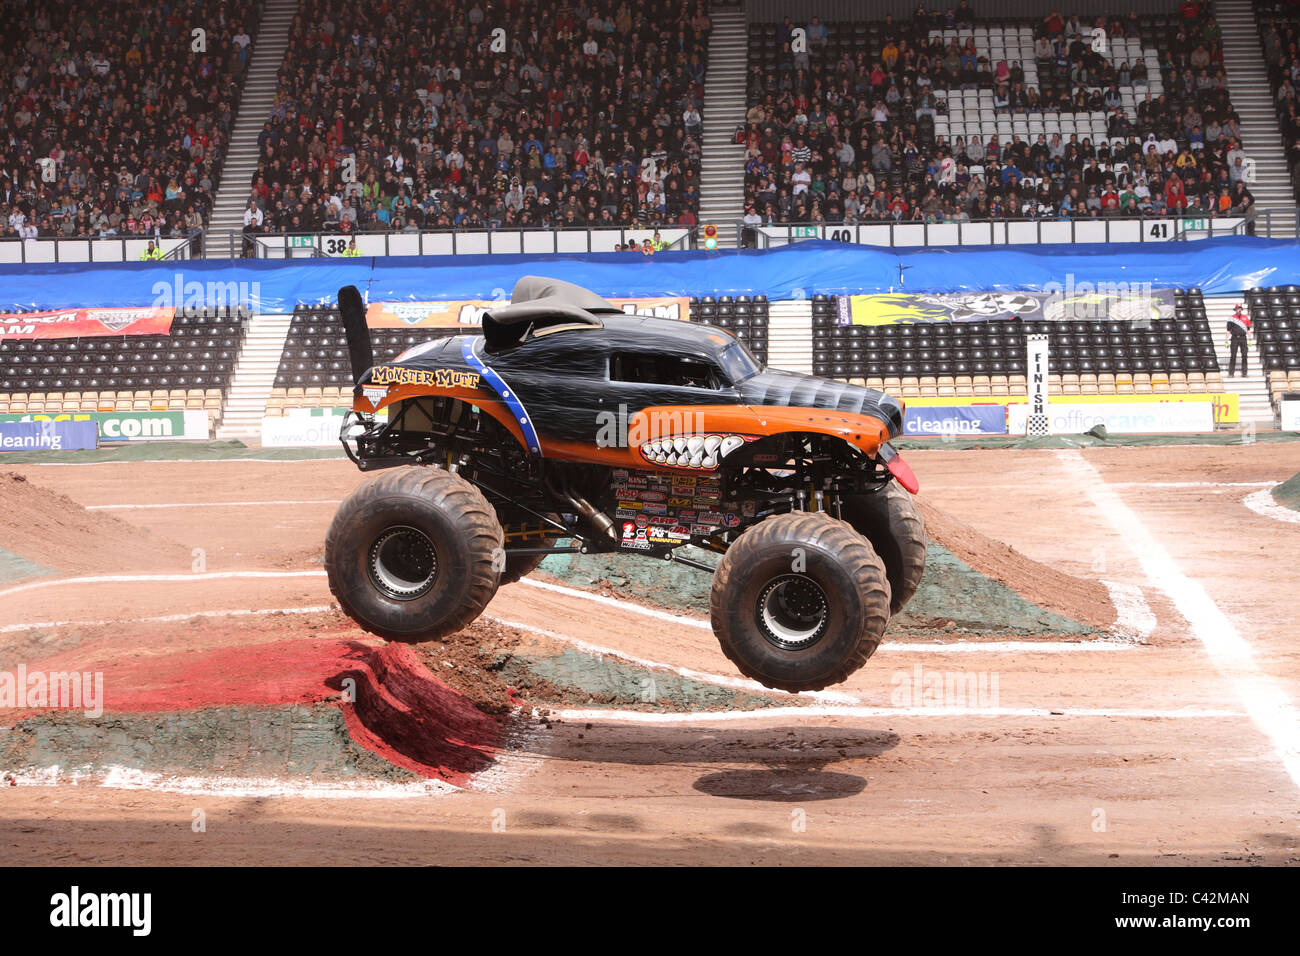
412,554
891,521
800,601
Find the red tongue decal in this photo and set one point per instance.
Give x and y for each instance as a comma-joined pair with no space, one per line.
901,471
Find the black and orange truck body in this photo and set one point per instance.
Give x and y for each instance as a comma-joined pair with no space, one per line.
566,425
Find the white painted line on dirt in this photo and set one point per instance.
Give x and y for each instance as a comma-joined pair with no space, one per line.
212,504
166,618
1264,699
1263,503
768,713
992,647
158,578
1007,647
613,602
131,778
1191,484
128,778
1133,618
702,676
524,752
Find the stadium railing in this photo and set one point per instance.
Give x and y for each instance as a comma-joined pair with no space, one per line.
1009,231
110,249
448,242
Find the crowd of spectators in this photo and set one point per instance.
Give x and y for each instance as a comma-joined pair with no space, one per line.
114,117
405,115
850,137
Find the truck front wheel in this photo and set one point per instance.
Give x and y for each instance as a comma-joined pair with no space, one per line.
413,554
800,601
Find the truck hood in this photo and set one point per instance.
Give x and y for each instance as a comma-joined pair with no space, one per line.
777,387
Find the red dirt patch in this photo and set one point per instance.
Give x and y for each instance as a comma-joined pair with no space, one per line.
413,720
400,712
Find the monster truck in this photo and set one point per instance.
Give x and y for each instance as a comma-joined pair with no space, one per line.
565,425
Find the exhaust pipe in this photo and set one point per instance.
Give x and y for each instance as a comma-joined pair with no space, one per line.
582,506
361,353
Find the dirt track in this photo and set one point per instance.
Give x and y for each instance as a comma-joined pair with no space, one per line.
1152,757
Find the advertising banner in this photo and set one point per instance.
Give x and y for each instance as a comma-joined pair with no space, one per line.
955,420
1070,302
302,431
468,312
132,426
78,323
48,436
305,427
1226,405
1075,418
1290,414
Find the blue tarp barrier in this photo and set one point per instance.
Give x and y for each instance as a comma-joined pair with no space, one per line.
1223,266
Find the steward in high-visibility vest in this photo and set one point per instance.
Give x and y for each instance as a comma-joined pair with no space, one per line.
153,252
352,249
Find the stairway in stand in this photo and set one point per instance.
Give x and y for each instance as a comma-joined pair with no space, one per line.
260,86
254,378
722,160
1243,62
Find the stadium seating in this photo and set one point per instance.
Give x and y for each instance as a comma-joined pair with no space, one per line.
988,357
1279,24
559,129
190,368
149,117
1275,323
874,147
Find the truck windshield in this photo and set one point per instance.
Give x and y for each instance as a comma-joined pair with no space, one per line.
738,363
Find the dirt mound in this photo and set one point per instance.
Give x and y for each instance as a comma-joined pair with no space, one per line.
1041,584
1287,494
54,531
498,667
298,741
973,584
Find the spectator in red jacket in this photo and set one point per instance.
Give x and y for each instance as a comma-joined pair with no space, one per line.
1175,195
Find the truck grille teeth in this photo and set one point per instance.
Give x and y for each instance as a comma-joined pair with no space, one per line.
691,451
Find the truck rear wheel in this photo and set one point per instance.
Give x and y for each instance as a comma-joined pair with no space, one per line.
800,601
412,554
891,521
